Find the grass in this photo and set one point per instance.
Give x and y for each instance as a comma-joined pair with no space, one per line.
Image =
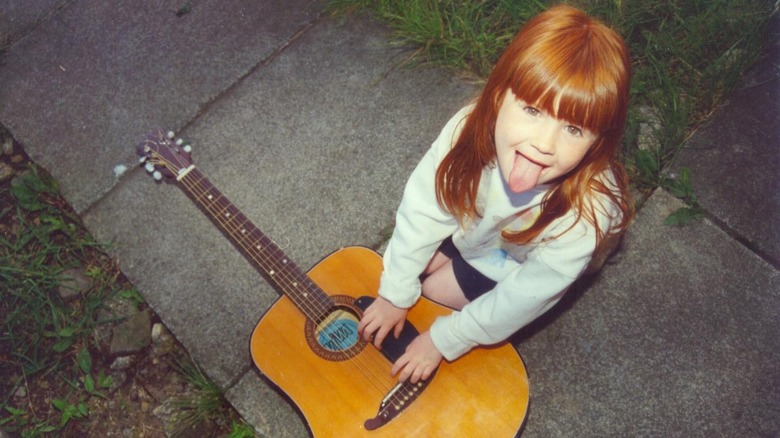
34,256
49,346
687,56
202,404
41,333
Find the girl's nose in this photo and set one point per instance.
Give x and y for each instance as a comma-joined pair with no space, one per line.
546,136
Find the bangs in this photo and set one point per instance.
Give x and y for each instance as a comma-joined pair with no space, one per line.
577,106
578,76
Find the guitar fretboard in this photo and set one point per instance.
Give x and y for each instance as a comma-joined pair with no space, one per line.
259,249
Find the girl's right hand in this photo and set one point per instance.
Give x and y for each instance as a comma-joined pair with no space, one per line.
379,318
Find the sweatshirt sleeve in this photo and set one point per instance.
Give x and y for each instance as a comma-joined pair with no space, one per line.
527,292
420,224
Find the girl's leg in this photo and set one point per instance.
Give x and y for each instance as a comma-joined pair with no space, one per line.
440,284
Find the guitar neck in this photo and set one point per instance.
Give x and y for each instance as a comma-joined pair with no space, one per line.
259,249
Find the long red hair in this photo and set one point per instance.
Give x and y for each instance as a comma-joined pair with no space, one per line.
575,68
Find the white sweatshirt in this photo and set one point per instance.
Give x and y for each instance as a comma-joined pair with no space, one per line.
530,278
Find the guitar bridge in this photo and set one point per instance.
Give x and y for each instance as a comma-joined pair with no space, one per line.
403,394
399,398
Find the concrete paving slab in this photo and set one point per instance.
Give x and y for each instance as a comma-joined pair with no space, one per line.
674,338
19,17
315,148
734,159
97,73
268,411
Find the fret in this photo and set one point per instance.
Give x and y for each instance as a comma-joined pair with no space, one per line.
233,220
221,212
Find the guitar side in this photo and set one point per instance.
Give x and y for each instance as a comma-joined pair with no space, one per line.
483,393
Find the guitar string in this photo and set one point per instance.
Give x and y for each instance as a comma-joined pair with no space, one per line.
225,217
217,211
217,214
370,369
180,163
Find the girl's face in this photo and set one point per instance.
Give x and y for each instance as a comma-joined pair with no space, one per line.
533,147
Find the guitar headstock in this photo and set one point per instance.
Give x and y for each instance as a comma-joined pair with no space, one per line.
163,155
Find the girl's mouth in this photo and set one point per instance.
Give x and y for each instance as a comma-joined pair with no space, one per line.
525,173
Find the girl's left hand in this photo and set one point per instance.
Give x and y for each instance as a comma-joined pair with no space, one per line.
419,361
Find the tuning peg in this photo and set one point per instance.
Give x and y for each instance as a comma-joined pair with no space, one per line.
187,148
149,167
142,160
179,142
171,134
157,175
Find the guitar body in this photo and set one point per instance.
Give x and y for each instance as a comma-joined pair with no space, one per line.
483,393
307,343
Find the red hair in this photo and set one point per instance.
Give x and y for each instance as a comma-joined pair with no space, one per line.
575,68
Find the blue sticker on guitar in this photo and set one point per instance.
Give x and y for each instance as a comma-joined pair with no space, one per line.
339,335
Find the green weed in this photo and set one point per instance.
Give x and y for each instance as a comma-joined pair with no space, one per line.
40,331
203,404
681,188
70,410
239,429
47,344
132,296
19,419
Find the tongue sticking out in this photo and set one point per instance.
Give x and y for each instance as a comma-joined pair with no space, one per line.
524,175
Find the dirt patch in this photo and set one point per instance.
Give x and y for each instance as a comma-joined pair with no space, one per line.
125,410
86,388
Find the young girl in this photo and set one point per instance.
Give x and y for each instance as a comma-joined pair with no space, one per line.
512,200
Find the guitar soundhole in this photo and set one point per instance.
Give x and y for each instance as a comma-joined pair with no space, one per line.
335,336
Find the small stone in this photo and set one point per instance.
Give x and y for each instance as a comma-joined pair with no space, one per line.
74,283
158,330
132,335
21,392
6,172
102,335
649,127
118,378
119,170
17,159
162,340
8,146
122,363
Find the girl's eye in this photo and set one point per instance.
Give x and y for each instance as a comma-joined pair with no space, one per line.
532,111
574,130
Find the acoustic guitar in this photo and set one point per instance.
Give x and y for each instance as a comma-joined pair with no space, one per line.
308,346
